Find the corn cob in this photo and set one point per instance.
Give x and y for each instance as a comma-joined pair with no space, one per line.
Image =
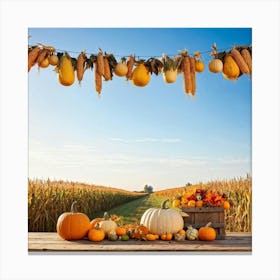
240,61
130,64
192,69
32,57
247,58
100,63
80,66
98,79
107,71
42,55
186,70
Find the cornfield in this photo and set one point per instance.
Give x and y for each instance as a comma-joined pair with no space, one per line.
48,199
238,191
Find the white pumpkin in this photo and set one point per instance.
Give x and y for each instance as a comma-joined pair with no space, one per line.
191,233
107,225
162,220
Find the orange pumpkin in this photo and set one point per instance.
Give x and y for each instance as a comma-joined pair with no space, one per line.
207,233
226,205
199,66
167,236
53,60
151,237
97,234
191,203
176,203
199,203
120,231
94,222
181,231
72,225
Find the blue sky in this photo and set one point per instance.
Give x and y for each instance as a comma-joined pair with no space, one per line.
134,136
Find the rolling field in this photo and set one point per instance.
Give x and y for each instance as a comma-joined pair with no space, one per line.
48,199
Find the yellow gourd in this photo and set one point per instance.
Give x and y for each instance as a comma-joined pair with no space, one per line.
140,76
230,68
66,71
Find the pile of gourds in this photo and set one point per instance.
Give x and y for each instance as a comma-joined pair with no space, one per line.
156,223
232,64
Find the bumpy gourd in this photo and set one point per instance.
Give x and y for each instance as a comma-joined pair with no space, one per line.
191,233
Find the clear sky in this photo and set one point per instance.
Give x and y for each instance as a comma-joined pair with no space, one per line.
133,136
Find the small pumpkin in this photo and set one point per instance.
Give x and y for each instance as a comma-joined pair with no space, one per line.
108,225
151,237
215,65
140,76
179,237
166,236
162,220
96,234
66,73
94,222
191,203
121,231
45,63
199,203
121,69
181,231
73,225
199,66
226,205
191,233
112,236
207,233
230,68
176,203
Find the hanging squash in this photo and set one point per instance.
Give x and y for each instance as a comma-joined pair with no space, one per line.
230,69
215,65
162,220
121,68
66,73
140,76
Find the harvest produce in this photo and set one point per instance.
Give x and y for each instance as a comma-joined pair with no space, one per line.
80,68
162,220
140,76
191,233
65,71
231,69
121,68
73,225
112,236
97,234
202,198
207,233
215,65
107,225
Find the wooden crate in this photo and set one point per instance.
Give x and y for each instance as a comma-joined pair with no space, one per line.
200,216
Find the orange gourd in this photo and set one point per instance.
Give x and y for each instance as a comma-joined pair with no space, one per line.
199,203
199,66
230,68
97,234
226,205
73,225
120,231
207,233
140,76
151,237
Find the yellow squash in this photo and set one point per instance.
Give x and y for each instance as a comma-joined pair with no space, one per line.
230,69
66,71
140,76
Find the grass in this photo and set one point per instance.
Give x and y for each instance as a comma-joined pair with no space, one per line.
132,211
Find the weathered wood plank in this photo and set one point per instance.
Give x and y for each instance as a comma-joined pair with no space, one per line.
234,242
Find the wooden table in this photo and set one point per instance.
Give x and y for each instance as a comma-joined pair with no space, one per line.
51,242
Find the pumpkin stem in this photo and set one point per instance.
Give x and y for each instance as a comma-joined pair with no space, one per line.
97,226
73,207
209,224
106,216
163,204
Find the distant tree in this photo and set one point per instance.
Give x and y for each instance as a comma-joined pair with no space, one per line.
188,184
148,189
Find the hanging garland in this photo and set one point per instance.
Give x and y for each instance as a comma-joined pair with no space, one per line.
232,64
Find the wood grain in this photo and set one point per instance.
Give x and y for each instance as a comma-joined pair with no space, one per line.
50,241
